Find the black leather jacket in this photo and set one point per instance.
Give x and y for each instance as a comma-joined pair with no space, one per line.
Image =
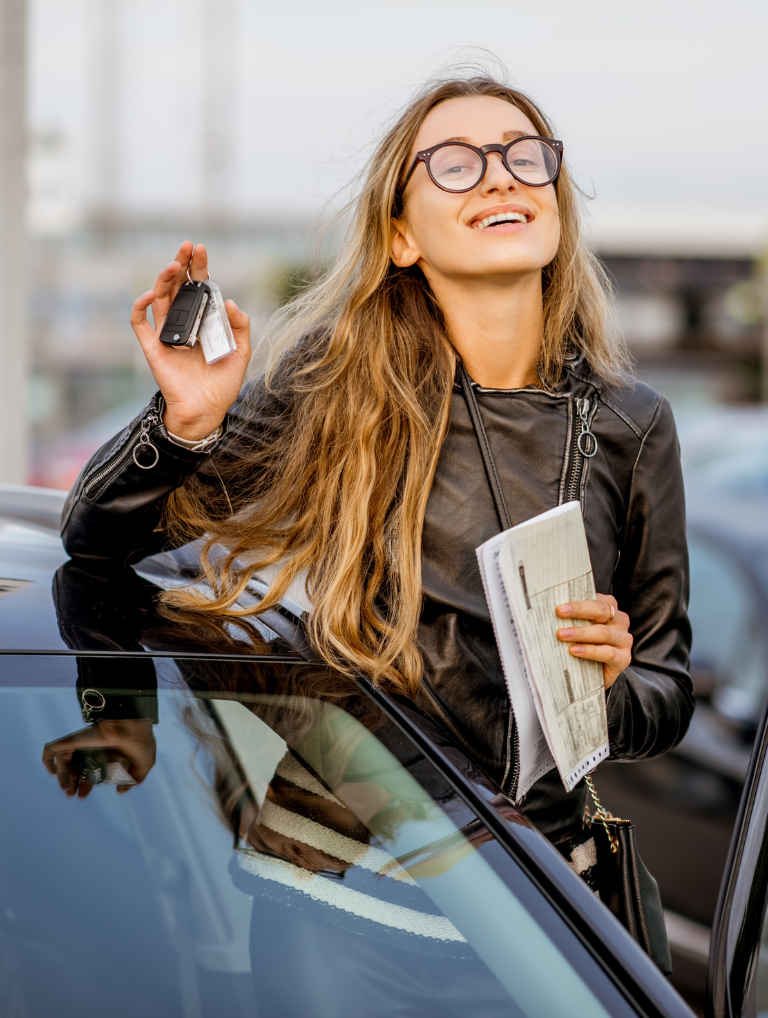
631,494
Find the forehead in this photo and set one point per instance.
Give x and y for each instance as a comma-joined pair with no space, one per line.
480,120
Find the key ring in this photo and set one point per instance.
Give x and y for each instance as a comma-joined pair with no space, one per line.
145,443
584,434
91,708
196,282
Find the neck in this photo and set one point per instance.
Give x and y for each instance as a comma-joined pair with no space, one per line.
496,328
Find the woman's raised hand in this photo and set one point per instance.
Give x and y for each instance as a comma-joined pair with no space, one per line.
197,395
131,739
606,637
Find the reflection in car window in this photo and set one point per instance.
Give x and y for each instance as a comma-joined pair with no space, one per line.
284,855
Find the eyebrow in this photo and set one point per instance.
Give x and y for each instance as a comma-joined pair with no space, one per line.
507,136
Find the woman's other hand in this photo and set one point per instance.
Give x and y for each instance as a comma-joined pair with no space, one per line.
604,638
197,395
133,739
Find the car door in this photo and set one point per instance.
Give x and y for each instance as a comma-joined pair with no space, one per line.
295,848
738,965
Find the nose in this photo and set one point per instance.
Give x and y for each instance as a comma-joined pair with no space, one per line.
497,177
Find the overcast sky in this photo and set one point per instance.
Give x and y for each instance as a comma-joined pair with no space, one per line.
661,105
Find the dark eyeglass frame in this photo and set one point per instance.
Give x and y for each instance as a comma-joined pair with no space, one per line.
503,150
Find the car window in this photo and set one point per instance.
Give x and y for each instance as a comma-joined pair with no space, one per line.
287,853
729,651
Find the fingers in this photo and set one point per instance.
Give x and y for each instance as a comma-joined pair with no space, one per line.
49,757
184,257
66,774
169,280
617,658
598,610
608,641
596,634
198,265
65,747
139,321
241,327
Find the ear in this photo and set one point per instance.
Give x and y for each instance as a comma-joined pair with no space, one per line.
402,250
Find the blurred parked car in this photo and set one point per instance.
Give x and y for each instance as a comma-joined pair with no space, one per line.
57,462
685,804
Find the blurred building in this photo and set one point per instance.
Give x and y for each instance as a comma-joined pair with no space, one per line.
694,322
101,224
692,299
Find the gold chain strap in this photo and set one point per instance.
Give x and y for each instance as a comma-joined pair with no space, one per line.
602,815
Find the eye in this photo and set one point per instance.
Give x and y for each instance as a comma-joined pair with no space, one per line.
455,163
457,168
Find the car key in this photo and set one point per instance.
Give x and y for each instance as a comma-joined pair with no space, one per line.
181,326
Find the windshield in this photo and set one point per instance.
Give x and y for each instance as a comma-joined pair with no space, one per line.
286,851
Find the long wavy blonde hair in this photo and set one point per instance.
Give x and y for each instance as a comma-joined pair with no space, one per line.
331,481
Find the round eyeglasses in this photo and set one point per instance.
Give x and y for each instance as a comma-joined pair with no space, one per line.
457,166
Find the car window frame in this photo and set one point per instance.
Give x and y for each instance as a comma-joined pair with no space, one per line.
624,962
741,906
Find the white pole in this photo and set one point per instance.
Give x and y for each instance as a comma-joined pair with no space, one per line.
13,291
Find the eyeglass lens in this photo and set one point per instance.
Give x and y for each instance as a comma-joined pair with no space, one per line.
458,168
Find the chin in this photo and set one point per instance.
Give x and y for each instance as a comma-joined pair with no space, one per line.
506,267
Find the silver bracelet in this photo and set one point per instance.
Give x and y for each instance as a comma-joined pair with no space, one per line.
198,444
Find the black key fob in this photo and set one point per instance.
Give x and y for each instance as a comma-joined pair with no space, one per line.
183,321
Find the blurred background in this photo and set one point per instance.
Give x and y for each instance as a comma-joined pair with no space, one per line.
236,122
127,126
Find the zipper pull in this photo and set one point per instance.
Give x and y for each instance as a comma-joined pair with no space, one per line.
582,409
145,443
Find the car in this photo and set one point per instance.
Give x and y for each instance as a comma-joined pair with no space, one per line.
300,842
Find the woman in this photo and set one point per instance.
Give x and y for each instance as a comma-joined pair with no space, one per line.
353,470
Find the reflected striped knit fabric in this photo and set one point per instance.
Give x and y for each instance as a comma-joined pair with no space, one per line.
373,895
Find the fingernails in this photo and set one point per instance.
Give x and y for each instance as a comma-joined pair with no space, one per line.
565,609
565,634
577,649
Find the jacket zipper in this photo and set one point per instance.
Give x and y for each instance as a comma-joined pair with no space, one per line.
129,449
584,446
512,785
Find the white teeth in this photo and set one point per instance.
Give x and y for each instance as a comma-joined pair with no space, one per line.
502,217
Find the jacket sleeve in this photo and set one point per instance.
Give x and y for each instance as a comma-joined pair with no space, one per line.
651,703
114,508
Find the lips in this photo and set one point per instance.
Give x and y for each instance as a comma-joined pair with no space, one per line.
499,216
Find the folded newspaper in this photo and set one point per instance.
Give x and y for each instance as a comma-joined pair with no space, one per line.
557,699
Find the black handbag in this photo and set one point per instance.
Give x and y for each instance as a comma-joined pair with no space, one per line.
626,886
623,882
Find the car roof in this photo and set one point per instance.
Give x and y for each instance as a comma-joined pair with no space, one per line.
48,604
33,561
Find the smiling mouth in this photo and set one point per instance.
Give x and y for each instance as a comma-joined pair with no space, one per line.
501,217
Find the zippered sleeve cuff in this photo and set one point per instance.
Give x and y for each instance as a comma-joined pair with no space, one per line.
116,503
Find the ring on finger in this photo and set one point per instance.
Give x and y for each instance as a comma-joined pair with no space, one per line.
611,617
